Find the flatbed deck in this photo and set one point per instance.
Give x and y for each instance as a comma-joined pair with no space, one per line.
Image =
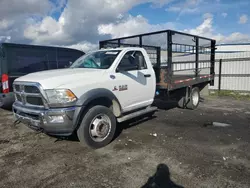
179,81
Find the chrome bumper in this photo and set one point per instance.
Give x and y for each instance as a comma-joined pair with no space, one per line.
42,119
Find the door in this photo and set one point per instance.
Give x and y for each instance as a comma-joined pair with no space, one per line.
135,81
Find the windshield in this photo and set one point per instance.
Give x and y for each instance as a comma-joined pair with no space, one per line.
96,60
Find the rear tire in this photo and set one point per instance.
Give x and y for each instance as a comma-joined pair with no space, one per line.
97,128
181,103
194,101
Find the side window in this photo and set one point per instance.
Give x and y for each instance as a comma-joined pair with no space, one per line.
131,58
141,60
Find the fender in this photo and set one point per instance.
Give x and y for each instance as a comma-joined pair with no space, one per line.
88,97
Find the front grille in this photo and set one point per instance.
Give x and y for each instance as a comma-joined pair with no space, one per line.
17,87
31,89
18,98
28,94
34,100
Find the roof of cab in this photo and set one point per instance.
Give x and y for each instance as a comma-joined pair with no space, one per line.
120,48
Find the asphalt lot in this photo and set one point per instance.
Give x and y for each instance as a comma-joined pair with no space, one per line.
176,148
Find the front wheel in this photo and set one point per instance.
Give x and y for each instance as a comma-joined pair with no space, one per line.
98,127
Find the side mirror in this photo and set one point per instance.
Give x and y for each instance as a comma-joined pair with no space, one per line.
127,68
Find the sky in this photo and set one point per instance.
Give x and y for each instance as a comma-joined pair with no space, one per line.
82,23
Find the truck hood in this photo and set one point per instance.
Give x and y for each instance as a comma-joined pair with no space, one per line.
55,78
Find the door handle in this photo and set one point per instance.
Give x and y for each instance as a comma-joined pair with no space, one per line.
147,75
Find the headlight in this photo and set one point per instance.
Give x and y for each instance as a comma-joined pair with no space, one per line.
60,96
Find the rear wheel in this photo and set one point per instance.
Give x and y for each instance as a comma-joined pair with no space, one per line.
98,127
194,101
181,102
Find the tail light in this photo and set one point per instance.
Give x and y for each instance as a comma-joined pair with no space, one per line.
5,83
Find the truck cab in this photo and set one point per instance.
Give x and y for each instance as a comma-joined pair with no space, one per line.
99,89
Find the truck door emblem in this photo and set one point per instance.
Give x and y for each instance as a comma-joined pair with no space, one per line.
115,89
123,87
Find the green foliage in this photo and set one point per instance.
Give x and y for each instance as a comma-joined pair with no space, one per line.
234,94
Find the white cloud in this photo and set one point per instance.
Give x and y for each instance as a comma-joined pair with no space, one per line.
5,38
84,46
206,29
243,19
189,6
236,37
5,24
48,31
137,25
207,15
12,8
30,21
83,23
80,21
194,2
132,26
160,3
224,14
16,15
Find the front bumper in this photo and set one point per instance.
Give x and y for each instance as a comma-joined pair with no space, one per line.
41,119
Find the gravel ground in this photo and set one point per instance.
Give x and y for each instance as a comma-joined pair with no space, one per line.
176,148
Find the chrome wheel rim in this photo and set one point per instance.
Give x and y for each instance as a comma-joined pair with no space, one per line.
195,98
100,127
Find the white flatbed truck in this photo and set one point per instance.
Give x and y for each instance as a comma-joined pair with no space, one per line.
116,83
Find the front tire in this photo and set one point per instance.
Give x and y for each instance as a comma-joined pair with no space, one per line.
97,128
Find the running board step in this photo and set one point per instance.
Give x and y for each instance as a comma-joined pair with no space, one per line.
136,114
